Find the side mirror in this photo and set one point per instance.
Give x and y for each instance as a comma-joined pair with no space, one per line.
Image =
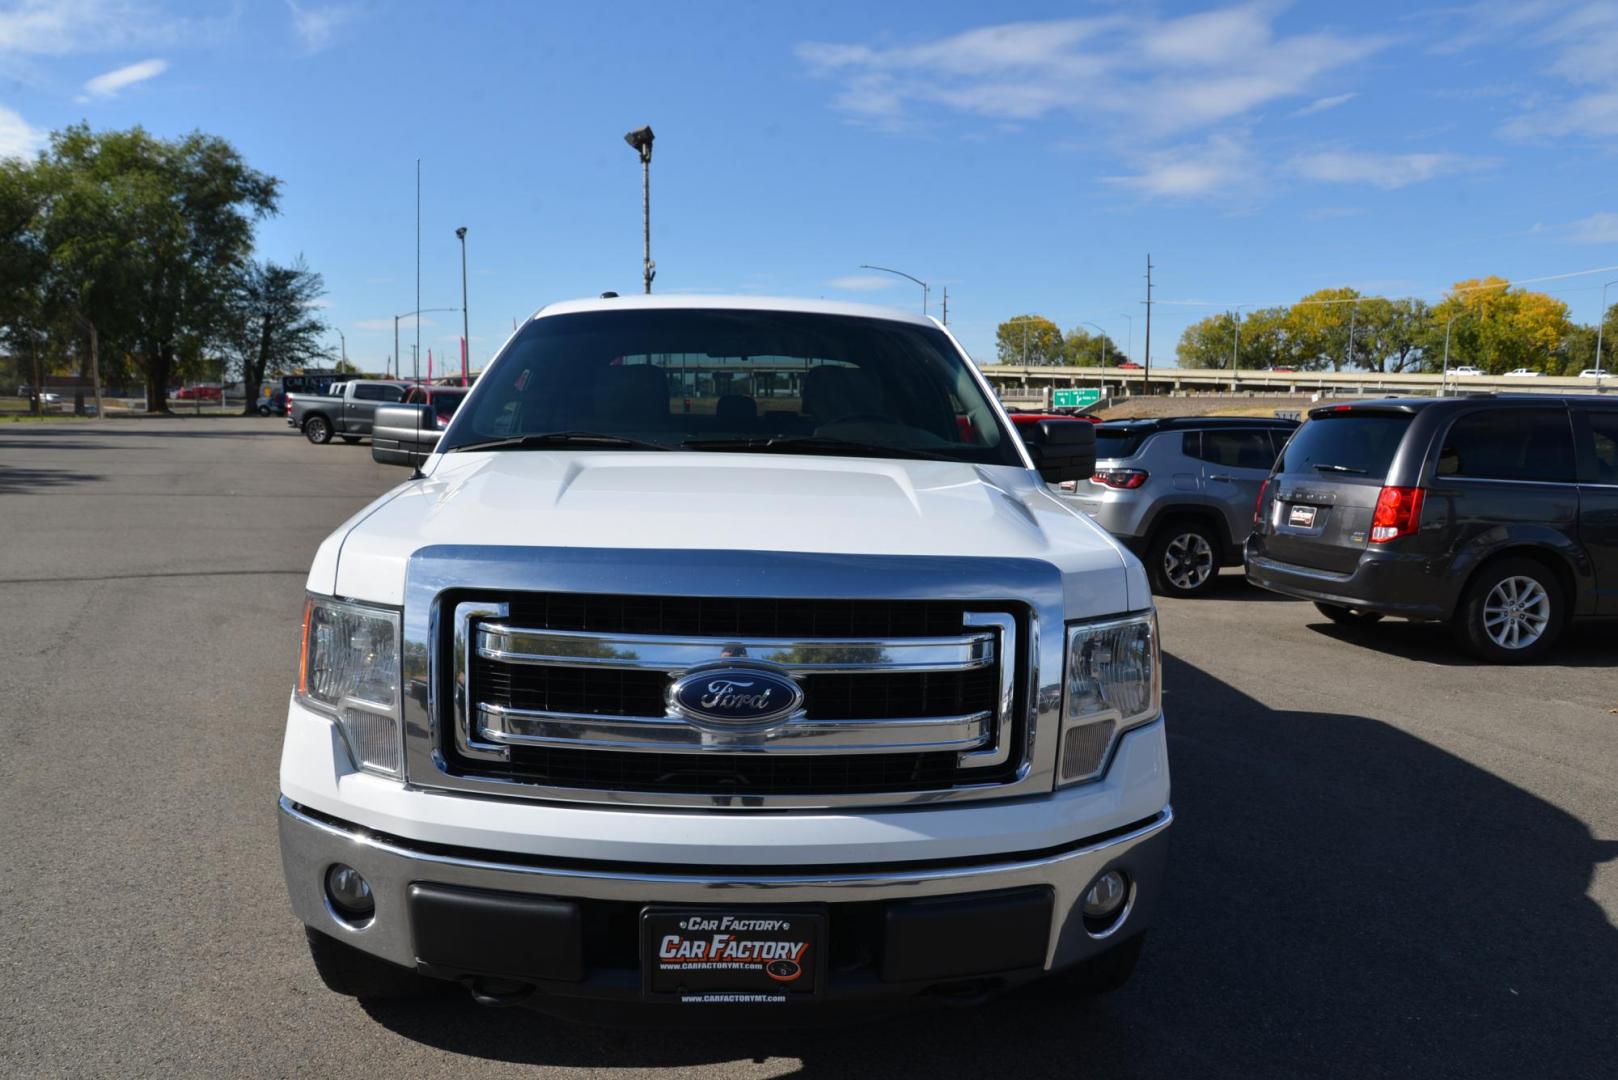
403,434
1062,449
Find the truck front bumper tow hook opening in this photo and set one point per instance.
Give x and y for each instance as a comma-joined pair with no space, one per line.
498,993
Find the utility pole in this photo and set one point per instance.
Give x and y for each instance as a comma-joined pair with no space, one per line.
1146,379
640,140
466,327
946,315
415,359
1353,314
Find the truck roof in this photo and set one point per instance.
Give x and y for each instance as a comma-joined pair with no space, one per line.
702,301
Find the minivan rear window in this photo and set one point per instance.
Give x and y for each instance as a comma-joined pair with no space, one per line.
1350,444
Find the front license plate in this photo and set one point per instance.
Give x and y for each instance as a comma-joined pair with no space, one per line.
1302,516
718,956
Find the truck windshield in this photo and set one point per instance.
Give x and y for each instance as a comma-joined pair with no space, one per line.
741,381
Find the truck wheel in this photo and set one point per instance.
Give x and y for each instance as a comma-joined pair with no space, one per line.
1098,975
348,971
1511,613
1183,559
317,430
351,439
1348,616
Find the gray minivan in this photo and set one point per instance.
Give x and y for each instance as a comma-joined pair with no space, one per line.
1498,515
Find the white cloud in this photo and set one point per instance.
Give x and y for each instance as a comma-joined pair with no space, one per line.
1386,171
317,27
110,83
1599,228
1320,105
18,138
860,282
61,27
1222,166
1144,74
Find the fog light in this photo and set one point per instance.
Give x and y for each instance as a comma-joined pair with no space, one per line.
1106,895
350,894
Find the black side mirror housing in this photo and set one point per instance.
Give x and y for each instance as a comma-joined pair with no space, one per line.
403,434
1061,449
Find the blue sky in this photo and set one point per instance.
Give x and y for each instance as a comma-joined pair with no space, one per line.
1028,156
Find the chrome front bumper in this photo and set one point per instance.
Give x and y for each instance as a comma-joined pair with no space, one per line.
310,843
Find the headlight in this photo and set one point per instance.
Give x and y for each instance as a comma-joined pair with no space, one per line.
348,668
1113,682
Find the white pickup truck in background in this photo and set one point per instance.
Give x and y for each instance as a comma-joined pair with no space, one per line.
727,654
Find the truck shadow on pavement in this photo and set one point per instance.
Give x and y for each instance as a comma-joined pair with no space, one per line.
1344,899
15,481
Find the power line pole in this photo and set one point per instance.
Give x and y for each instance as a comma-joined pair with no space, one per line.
1146,379
946,307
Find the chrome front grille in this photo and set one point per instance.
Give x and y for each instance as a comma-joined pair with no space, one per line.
564,707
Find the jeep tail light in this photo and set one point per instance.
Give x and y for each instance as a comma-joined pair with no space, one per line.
1126,479
1398,513
1258,507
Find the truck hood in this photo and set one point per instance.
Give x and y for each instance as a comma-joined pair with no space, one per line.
715,501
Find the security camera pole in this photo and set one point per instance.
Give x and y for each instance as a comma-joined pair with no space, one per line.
640,140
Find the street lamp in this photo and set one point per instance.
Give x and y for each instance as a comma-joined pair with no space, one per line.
415,361
1103,334
1601,324
901,273
640,140
466,332
1236,340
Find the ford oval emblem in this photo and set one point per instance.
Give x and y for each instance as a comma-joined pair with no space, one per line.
730,696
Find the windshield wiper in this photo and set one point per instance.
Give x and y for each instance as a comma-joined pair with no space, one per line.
811,444
553,440
1342,469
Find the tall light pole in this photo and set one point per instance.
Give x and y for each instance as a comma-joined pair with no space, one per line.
640,140
889,270
1103,334
1601,324
466,331
1129,349
343,351
1236,339
415,362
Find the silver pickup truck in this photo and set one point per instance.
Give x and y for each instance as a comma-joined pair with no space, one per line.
347,410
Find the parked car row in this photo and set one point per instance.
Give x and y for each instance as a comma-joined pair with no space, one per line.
1496,515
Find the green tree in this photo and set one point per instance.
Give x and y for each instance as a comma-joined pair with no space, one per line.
1083,349
1392,335
1208,343
1499,328
182,212
1318,328
1030,339
24,300
273,323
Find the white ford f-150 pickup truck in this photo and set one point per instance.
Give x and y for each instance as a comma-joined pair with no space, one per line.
727,655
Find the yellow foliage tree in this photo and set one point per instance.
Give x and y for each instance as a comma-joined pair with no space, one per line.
1499,329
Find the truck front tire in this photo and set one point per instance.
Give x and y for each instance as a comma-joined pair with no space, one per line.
348,971
317,429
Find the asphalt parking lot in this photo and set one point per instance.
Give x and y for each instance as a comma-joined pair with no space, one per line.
1388,859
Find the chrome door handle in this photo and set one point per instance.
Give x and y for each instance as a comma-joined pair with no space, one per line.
1221,476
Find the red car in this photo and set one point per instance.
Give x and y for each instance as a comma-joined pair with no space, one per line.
1129,365
201,392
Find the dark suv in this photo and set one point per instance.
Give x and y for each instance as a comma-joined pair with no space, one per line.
1496,514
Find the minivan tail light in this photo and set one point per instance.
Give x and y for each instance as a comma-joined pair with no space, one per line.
1398,513
1126,479
1258,507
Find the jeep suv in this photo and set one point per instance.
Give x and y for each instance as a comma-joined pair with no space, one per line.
1179,492
1496,514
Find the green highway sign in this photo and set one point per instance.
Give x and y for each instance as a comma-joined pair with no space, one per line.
1074,399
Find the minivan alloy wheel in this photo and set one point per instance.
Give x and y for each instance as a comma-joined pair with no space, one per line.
1516,612
1188,560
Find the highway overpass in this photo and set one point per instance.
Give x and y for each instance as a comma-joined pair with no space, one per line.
1034,382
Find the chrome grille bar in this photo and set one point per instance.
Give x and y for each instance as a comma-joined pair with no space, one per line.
657,652
672,734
